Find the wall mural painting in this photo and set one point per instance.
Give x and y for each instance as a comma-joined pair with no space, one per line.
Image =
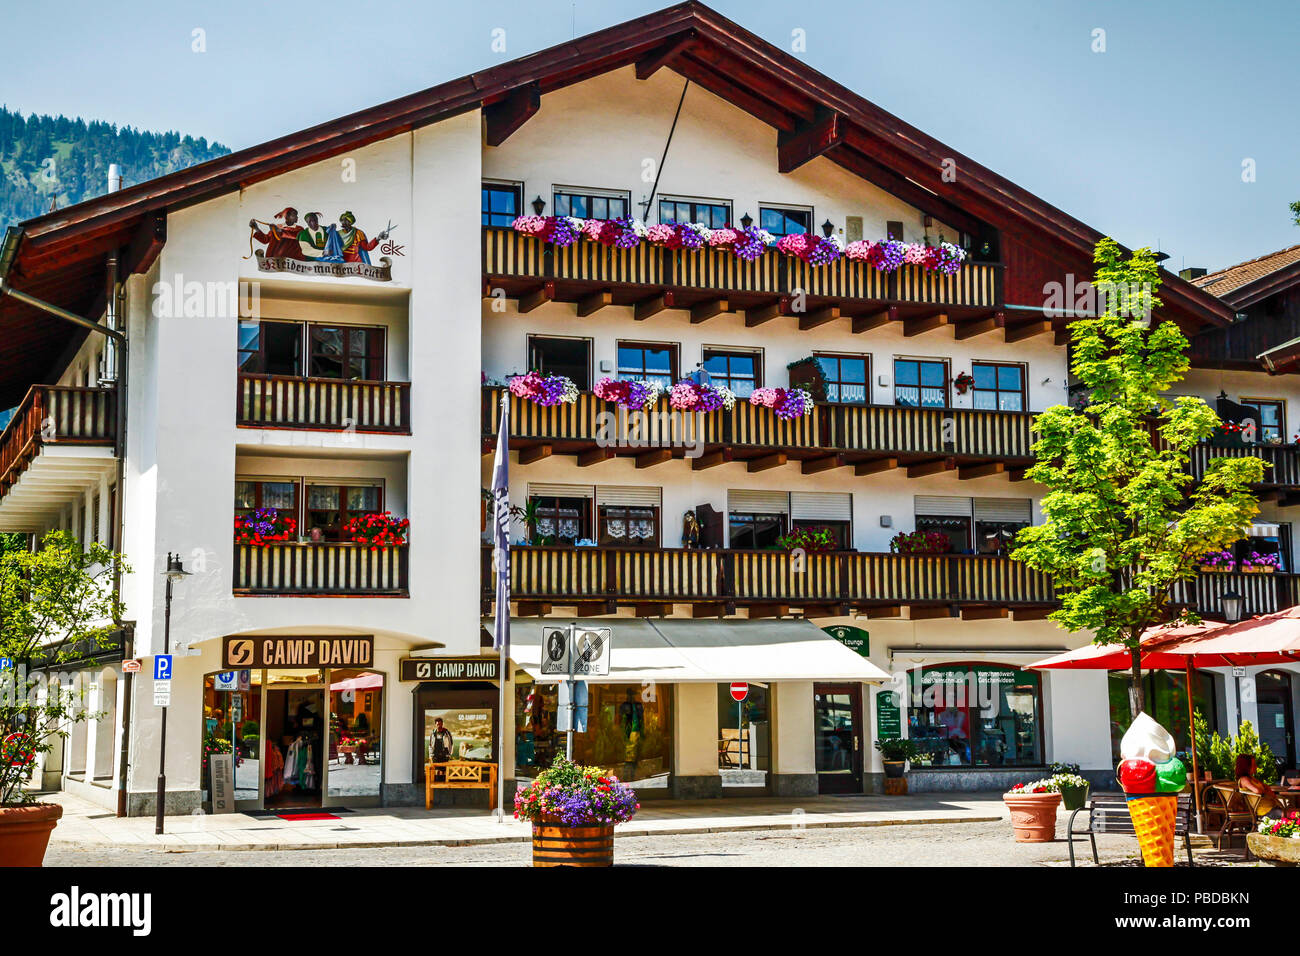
306,247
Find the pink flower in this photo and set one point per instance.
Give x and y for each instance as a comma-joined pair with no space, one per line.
660,233
860,249
766,397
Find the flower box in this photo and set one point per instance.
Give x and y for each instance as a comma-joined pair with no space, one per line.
1260,569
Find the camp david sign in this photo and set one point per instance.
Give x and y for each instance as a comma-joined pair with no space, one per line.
298,651
450,668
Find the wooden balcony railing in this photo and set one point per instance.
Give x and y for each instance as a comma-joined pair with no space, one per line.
55,415
1284,459
323,404
508,254
758,578
950,437
318,569
1261,593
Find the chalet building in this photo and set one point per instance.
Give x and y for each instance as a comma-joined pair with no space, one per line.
307,335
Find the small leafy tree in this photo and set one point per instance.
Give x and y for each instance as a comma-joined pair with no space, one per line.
1124,521
56,608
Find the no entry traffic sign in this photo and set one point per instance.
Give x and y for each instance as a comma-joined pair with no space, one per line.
739,690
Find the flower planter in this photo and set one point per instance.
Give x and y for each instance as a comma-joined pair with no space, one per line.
1279,851
1033,816
1265,569
555,844
1074,798
1216,569
25,833
894,768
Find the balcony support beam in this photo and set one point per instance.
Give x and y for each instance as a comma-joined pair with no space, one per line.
539,296
534,453
658,456
595,456
864,468
767,461
812,612
703,311
874,320
763,313
930,613
918,324
534,609
651,610
595,608
819,317
967,472
808,141
591,304
883,611
653,306
922,469
968,330
718,609
815,466
502,119
1030,613
711,459
759,611
1027,330
983,613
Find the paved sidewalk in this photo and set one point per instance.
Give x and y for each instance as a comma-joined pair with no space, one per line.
85,824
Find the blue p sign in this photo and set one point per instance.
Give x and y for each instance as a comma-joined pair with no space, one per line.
162,667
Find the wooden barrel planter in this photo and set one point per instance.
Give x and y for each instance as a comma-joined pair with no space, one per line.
555,844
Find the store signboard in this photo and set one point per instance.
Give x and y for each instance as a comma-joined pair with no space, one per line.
298,651
449,668
221,768
854,638
889,718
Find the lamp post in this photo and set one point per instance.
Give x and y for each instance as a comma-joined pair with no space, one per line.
1231,603
175,572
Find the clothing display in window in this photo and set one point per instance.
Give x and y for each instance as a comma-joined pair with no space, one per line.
274,769
300,765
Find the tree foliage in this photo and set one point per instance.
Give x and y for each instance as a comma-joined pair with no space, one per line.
56,608
1124,520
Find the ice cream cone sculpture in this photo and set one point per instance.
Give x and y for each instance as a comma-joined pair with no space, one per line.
1151,777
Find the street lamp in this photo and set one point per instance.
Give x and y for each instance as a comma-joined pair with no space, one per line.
1231,603
175,572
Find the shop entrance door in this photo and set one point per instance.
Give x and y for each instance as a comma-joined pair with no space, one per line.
296,722
1276,722
837,737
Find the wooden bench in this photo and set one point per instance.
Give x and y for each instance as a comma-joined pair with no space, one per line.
460,775
1108,813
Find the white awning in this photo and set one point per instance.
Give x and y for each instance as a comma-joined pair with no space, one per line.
687,651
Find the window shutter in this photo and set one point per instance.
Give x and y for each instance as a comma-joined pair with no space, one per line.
1003,509
942,505
745,501
629,496
821,506
549,490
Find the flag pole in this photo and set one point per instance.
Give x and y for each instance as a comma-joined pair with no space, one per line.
501,563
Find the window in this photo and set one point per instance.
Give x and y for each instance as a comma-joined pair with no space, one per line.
755,532
998,386
921,383
502,203
648,361
1165,694
560,520
270,348
712,214
590,204
571,357
347,352
625,526
1271,425
846,377
739,371
840,531
955,527
331,506
780,221
894,230
278,493
976,715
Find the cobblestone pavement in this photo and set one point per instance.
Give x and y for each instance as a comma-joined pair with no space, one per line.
964,844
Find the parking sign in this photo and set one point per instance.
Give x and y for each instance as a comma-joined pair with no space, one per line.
162,667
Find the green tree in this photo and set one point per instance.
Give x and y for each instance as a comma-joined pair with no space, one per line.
1123,519
56,608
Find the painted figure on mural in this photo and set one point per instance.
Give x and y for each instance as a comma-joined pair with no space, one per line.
281,241
346,243
311,240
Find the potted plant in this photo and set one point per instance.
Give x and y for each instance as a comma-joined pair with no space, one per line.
377,531
78,584
264,526
894,754
1033,810
963,382
1220,562
1277,841
573,810
920,542
1073,786
809,540
1257,563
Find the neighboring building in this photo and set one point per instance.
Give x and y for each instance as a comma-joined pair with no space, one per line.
345,388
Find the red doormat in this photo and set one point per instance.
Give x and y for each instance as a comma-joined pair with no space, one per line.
307,816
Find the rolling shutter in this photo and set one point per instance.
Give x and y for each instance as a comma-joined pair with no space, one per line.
744,501
948,506
1004,509
537,489
821,506
629,496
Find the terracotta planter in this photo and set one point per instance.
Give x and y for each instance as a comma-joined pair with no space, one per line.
25,833
1033,815
894,768
555,844
1279,851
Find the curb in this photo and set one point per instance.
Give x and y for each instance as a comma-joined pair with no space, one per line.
492,841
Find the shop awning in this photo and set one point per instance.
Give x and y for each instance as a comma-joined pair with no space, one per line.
685,651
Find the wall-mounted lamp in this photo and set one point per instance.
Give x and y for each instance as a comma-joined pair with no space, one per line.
746,221
827,228
538,205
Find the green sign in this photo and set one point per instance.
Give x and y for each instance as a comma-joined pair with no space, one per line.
854,638
889,719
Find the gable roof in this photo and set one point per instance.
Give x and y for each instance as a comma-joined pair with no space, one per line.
1244,283
60,256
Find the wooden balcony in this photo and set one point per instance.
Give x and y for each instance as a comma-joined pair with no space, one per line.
769,583
1281,480
708,282
320,569
867,438
1261,593
323,404
58,446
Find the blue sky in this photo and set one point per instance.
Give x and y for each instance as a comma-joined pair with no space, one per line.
1144,141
